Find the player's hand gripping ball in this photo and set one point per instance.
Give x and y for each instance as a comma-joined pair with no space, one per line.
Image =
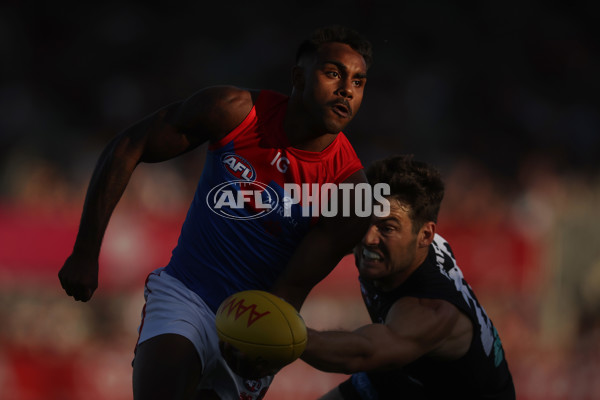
260,333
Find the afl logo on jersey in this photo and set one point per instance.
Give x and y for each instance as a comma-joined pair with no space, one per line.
238,167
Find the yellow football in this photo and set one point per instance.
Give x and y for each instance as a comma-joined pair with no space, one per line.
262,326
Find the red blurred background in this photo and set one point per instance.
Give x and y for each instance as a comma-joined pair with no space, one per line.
502,97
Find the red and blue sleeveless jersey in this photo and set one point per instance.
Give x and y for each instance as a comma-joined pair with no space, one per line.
241,228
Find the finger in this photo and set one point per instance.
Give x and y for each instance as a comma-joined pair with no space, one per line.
82,295
70,290
67,289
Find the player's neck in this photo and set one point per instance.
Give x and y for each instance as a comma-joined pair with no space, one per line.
302,135
302,131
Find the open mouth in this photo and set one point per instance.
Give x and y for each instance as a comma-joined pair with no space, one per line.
342,109
371,255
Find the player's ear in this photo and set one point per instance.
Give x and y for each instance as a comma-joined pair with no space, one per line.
427,234
298,77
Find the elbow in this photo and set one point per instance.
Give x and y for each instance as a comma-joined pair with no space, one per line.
358,363
343,364
351,367
331,367
125,152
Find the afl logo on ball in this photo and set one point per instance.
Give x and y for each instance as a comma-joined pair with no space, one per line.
238,167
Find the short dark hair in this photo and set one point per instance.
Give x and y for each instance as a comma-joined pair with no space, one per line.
337,34
414,183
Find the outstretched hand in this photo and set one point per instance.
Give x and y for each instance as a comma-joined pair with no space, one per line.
79,277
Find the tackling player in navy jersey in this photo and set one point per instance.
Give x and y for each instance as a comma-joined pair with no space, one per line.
430,338
258,140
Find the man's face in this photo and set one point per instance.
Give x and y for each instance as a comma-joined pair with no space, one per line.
389,251
334,82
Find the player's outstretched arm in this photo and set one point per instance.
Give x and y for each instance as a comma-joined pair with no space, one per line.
171,131
415,327
321,250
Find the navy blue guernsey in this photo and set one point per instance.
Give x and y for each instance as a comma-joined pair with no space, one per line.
482,373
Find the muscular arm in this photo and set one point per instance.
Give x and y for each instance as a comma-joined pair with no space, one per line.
320,251
414,328
171,131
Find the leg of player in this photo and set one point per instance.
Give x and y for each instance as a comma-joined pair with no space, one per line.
166,367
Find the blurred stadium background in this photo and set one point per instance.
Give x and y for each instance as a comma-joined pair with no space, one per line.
501,96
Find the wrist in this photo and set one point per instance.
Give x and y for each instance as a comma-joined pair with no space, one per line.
82,251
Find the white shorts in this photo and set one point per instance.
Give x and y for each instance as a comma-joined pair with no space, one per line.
173,308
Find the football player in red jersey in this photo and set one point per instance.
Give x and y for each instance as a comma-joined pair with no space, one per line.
276,139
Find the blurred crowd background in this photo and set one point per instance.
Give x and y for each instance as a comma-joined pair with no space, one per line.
501,96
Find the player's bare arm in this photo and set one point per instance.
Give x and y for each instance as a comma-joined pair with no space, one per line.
414,328
171,131
321,250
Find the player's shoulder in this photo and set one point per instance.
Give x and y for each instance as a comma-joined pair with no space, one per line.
216,109
230,98
236,101
356,177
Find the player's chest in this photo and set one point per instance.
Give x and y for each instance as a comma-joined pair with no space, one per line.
268,165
